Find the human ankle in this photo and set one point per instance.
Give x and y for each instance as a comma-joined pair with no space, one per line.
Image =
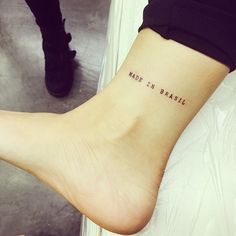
159,83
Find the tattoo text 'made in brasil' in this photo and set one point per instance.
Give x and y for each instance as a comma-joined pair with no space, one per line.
162,91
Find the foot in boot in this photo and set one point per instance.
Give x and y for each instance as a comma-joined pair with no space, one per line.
59,63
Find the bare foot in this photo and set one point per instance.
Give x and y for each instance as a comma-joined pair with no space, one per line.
105,161
108,156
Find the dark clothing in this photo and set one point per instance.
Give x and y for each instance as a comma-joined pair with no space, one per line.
208,26
47,13
59,64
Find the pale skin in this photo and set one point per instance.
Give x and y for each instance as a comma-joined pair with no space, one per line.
108,156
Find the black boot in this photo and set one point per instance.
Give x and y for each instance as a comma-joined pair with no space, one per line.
59,63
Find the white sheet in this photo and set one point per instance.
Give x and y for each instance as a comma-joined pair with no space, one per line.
197,196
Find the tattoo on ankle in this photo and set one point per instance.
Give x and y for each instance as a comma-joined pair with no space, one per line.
162,91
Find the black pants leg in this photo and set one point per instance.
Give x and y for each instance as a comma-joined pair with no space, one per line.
47,13
48,17
59,72
208,26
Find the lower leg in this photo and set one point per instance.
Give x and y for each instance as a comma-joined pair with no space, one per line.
59,72
47,13
107,157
